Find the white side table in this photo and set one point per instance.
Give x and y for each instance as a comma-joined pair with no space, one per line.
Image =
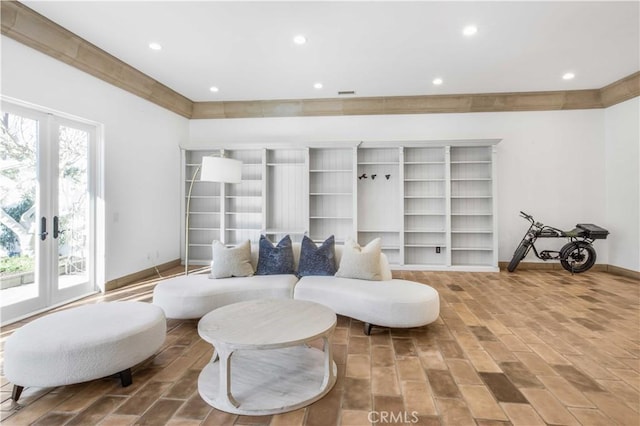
264,365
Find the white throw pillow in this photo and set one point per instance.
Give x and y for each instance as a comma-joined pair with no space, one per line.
231,261
362,263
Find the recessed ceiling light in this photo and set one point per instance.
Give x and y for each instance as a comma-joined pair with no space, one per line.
470,30
155,46
300,39
317,85
437,81
213,89
568,76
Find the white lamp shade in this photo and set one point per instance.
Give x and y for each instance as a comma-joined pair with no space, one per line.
220,169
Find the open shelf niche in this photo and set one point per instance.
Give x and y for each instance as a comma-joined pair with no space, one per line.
379,199
331,193
473,227
286,190
205,210
244,201
425,207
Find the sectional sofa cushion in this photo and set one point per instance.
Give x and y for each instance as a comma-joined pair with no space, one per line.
316,260
275,260
389,303
193,296
231,261
361,262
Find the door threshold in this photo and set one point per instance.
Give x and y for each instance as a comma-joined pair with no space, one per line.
48,308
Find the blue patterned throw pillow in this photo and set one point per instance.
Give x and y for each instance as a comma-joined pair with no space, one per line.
316,260
275,260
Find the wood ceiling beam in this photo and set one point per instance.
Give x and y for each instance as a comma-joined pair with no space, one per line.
436,104
621,90
34,30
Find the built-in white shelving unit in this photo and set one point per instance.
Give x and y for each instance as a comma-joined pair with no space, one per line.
473,221
287,194
331,193
433,204
379,199
244,201
206,203
425,207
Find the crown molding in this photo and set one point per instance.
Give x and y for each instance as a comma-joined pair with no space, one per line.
28,27
34,30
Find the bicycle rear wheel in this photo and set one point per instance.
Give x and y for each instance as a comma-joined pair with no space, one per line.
577,257
518,255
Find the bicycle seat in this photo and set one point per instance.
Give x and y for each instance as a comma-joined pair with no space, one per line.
574,233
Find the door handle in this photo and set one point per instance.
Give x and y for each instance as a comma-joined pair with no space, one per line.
43,228
56,230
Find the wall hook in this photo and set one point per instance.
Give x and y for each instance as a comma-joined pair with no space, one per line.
364,176
373,177
387,176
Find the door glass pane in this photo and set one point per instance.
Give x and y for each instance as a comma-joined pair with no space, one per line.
73,207
18,224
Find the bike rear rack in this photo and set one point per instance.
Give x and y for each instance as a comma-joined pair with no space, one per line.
592,231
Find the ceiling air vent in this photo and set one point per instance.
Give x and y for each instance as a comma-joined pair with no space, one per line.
346,92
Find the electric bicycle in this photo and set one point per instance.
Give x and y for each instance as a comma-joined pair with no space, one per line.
578,255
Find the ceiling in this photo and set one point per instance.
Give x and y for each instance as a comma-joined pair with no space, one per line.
391,48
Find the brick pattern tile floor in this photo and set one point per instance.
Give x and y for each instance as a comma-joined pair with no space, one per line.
529,348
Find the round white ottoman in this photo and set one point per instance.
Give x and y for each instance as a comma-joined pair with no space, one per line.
84,343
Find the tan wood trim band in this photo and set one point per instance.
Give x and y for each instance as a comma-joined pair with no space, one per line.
555,266
140,275
489,102
34,30
549,266
621,90
623,272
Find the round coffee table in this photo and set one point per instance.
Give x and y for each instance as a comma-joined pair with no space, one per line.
264,365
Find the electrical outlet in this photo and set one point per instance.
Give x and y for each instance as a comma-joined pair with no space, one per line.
438,249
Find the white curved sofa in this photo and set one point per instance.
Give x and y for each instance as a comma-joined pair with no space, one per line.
387,303
390,303
194,296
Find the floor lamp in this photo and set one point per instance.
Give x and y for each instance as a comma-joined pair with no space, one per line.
214,169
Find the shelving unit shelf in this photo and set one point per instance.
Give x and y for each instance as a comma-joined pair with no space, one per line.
433,203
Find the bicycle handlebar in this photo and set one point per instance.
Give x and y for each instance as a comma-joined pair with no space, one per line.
542,226
526,216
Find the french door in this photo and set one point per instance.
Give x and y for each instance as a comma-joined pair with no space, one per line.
47,237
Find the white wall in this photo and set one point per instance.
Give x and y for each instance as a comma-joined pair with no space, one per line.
622,135
550,164
141,160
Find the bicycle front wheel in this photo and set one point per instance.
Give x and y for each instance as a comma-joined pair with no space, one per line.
518,255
